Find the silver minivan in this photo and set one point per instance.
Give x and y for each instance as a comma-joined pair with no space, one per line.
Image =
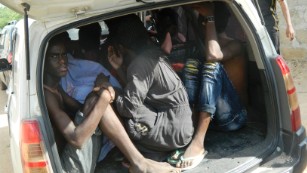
273,140
7,42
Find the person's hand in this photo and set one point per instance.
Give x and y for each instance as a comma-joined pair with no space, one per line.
290,33
204,9
115,58
101,78
102,83
89,103
106,86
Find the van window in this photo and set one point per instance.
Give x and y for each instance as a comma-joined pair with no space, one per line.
2,36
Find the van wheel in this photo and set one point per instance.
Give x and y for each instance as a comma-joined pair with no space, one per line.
3,86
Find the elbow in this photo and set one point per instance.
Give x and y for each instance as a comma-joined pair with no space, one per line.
214,54
77,143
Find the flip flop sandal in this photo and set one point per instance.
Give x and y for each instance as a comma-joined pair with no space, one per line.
195,160
174,158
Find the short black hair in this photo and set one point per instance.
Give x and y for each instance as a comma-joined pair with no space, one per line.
128,31
89,36
167,22
58,39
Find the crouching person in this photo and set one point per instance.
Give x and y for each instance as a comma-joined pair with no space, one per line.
154,103
75,125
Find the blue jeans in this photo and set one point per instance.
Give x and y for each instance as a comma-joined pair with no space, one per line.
210,90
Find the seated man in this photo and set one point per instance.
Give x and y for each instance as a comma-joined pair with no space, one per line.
83,70
211,93
172,41
154,103
75,126
84,66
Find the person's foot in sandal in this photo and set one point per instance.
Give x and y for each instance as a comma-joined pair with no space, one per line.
174,158
195,152
192,156
187,163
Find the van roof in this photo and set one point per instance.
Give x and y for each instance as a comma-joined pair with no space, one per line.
61,9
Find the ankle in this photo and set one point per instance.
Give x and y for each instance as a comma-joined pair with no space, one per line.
136,161
198,142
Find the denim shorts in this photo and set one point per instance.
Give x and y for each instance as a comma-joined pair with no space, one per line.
210,90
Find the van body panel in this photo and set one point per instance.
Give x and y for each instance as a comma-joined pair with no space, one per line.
26,97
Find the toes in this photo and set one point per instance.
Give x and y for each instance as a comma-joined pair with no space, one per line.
178,165
184,164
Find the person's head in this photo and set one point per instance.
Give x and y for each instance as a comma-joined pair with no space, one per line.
56,57
221,14
89,36
64,36
89,41
167,22
129,32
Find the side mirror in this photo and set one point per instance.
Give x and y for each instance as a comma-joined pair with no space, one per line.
4,65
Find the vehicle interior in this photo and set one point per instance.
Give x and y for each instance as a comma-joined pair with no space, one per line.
226,150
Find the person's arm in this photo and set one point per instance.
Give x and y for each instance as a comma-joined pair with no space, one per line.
231,48
76,135
285,11
167,44
139,80
70,103
212,47
213,51
102,82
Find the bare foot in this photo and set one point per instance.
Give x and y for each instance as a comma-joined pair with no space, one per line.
160,163
127,164
150,166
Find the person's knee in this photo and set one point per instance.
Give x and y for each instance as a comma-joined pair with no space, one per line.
208,108
191,67
237,122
